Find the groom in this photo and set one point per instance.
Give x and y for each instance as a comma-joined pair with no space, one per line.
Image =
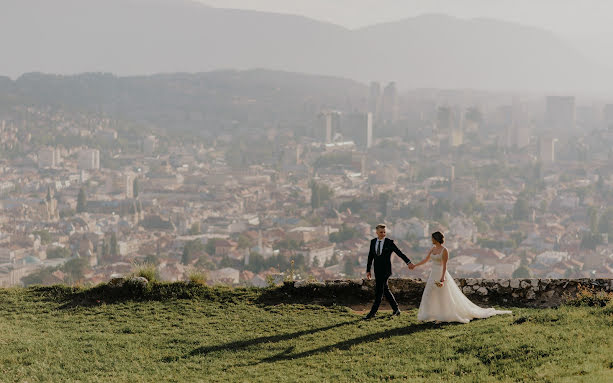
381,250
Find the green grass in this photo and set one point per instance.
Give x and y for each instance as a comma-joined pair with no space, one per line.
220,335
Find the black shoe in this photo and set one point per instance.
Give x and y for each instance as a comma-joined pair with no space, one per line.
368,317
396,313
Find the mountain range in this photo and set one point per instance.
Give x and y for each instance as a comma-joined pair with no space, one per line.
137,37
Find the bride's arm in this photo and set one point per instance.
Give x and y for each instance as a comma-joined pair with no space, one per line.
444,261
425,259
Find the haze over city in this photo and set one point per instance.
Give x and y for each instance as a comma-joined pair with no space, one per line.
417,44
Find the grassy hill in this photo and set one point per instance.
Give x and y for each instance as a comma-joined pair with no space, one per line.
176,332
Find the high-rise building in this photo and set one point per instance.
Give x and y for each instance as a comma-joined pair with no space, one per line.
389,105
560,113
120,184
547,149
129,185
49,158
329,124
457,132
607,115
517,127
89,159
521,134
149,145
444,119
450,121
374,101
369,122
359,128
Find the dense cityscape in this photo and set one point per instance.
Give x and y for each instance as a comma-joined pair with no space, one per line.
520,184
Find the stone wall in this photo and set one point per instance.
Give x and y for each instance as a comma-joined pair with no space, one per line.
500,292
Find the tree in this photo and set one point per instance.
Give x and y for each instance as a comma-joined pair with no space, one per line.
104,250
38,277
187,256
76,268
315,262
135,188
211,245
58,252
45,236
517,238
332,261
288,244
192,250
114,248
66,213
354,206
593,217
81,201
228,262
152,259
325,193
195,229
299,261
319,194
600,183
256,262
244,241
521,209
605,224
590,241
315,196
522,272
349,268
344,234
441,207
383,201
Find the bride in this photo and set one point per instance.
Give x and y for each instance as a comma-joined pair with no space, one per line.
442,300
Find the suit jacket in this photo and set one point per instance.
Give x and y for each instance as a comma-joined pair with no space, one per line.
383,262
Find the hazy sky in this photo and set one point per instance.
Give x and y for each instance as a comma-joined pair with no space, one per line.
575,19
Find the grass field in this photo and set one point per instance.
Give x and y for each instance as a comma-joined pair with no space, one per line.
236,339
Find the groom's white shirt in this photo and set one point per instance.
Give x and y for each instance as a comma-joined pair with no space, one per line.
377,245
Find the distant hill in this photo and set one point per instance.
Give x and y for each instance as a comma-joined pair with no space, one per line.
203,101
129,37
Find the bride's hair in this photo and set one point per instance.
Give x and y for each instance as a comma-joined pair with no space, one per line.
438,237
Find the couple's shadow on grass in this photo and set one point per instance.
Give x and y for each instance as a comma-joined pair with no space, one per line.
289,354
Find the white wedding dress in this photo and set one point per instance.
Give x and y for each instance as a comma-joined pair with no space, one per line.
448,303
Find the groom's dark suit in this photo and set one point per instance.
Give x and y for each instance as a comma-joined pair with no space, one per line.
383,270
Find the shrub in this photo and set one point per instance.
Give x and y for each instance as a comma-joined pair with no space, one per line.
145,270
608,309
197,277
290,274
587,296
270,281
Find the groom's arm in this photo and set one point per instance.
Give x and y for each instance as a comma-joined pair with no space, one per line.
371,256
399,253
